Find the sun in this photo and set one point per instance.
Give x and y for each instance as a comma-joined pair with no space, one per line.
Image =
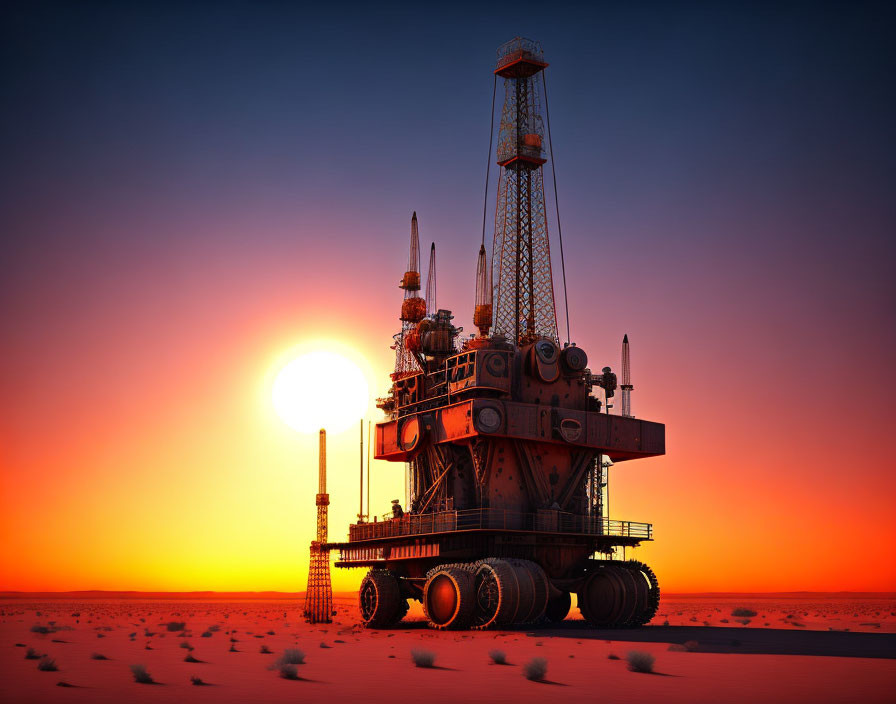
320,389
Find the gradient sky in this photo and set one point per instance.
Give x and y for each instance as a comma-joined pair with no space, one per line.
191,195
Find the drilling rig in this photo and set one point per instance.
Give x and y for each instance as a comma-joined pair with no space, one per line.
505,446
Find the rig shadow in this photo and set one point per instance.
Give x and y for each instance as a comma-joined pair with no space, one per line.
752,641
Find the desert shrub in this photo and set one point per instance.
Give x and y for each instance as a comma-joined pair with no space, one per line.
185,644
423,658
37,628
612,656
742,612
499,657
723,620
176,625
190,658
197,681
141,675
47,664
214,628
98,656
743,621
292,656
233,649
288,672
32,654
265,650
271,633
207,634
535,669
639,661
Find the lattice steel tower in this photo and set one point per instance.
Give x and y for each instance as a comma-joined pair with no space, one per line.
413,308
319,594
524,292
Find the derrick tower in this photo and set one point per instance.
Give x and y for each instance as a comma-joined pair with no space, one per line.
626,379
319,594
524,292
413,308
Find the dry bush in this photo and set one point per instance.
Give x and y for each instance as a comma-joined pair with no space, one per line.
535,669
41,629
499,657
743,612
291,656
265,650
141,675
190,658
32,654
176,625
206,634
423,658
98,656
639,661
185,644
47,664
197,681
288,672
612,656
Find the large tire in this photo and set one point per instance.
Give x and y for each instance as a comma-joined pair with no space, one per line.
380,601
649,592
533,590
497,594
558,608
449,598
602,598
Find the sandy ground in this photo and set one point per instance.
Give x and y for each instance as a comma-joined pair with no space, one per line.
812,649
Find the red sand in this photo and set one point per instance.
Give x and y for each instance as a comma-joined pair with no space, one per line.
728,663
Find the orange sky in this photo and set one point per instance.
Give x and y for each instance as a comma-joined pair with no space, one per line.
190,197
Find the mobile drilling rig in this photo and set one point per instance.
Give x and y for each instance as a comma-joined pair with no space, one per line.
504,445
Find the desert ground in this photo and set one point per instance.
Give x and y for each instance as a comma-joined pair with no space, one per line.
796,648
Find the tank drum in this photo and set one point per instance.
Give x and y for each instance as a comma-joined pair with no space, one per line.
438,341
600,598
558,607
574,359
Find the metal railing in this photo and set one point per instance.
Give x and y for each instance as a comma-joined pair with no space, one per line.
498,519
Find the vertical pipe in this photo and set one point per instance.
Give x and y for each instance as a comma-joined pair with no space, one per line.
361,480
322,463
368,471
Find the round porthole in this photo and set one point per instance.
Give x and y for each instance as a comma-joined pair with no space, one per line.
488,420
496,365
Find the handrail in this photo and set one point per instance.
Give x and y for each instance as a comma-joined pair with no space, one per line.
550,521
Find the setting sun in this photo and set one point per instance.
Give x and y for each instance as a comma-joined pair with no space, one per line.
320,389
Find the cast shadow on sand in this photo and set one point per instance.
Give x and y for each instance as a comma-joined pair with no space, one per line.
753,641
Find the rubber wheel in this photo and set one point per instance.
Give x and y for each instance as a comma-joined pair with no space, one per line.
601,597
449,598
533,590
558,608
649,592
379,600
497,594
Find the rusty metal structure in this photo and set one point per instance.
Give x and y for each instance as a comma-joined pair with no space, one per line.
506,435
319,594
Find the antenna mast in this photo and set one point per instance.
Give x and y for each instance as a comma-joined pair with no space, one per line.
626,380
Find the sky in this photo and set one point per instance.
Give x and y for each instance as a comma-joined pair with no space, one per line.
193,194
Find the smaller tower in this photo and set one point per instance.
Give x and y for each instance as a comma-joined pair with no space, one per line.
413,308
482,313
319,594
626,380
431,306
